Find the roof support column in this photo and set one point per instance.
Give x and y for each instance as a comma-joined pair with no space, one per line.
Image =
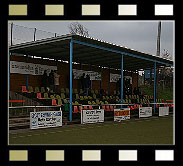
70,63
27,76
109,91
121,79
154,86
101,77
9,69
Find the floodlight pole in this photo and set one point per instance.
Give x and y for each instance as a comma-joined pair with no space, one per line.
121,79
154,86
70,103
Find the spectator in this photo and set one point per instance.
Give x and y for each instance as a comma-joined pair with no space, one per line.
87,83
83,81
56,80
44,80
51,80
138,91
135,91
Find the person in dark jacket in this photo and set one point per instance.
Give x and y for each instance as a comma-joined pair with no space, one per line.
44,80
82,79
51,80
87,84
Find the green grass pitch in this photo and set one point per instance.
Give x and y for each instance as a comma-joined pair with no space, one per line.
154,131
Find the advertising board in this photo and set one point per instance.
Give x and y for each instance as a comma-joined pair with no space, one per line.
145,112
121,114
45,119
163,111
92,116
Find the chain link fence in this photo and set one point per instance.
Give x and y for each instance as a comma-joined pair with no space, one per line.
19,34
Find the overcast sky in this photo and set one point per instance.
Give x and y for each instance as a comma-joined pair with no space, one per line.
138,35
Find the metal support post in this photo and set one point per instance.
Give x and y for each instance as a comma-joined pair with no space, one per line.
34,34
11,34
154,86
9,70
109,92
27,77
121,79
71,54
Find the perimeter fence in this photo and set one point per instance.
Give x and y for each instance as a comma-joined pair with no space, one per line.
20,34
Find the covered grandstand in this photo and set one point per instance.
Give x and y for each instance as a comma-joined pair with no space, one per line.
77,51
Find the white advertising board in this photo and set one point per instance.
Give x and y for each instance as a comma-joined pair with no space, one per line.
92,116
93,75
145,112
121,114
45,119
30,68
163,111
114,77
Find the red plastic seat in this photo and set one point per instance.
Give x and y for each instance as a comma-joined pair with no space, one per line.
39,96
90,107
75,109
111,108
54,102
107,108
103,107
24,89
80,109
85,108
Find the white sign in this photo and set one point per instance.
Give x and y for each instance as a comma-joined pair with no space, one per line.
30,68
45,119
163,111
114,77
145,112
93,75
121,114
92,116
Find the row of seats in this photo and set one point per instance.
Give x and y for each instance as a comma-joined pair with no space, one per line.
77,109
64,90
79,99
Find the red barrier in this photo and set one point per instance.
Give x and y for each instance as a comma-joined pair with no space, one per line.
16,101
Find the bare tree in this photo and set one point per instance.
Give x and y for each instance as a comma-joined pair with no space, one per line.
166,73
77,28
166,54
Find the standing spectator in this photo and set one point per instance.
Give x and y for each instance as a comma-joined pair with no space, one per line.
44,80
51,80
83,81
87,83
138,91
56,80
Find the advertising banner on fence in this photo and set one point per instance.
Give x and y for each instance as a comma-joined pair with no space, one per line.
121,114
45,119
163,111
145,112
93,75
30,68
92,116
